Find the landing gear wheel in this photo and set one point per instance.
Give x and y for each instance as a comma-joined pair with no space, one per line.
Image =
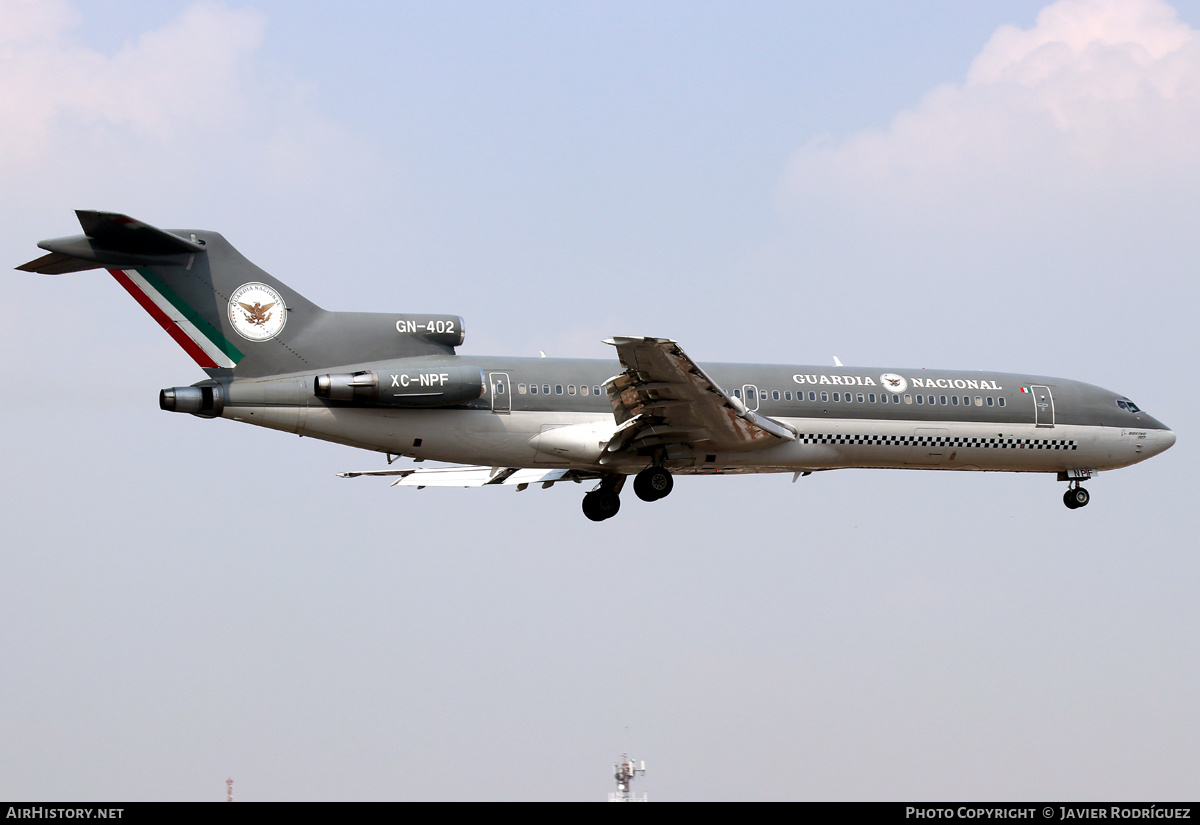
1076,497
602,504
653,483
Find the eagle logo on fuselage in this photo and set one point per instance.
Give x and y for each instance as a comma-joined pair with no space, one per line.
893,382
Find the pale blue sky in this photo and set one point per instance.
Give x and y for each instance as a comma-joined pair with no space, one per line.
186,600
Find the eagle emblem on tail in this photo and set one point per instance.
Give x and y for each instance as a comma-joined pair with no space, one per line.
257,314
257,311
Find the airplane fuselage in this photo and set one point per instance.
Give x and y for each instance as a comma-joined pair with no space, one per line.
843,417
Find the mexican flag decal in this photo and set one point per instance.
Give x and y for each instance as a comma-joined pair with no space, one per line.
199,339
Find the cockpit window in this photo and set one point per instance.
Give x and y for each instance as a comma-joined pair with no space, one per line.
1128,406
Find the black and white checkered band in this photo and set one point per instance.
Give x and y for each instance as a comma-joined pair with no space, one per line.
937,441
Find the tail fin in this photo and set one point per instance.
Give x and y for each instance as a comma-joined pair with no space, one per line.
223,310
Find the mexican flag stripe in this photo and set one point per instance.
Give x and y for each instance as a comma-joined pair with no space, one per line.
199,339
207,330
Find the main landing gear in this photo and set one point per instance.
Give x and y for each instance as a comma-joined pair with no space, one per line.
1076,497
650,484
653,483
604,502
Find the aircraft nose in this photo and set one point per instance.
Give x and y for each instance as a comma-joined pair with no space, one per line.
1166,439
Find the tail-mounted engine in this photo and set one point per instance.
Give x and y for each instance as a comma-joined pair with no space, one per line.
445,330
438,386
206,401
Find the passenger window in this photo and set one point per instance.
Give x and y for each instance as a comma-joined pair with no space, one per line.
570,389
558,389
943,400
533,389
907,398
521,388
883,398
595,389
1001,400
545,389
860,398
825,396
966,400
787,396
954,400
583,390
737,393
871,396
978,401
775,395
990,403
837,397
920,399
812,396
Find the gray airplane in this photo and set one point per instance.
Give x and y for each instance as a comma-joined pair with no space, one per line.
393,383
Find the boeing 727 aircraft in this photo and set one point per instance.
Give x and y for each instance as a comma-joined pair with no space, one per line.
393,383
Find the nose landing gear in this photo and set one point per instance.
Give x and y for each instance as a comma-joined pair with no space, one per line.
1076,497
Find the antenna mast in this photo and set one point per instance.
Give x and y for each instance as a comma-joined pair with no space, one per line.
625,771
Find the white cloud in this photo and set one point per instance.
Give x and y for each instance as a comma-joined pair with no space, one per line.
26,21
190,107
183,78
185,124
1098,96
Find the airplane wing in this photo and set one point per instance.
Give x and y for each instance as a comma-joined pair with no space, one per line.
664,397
474,476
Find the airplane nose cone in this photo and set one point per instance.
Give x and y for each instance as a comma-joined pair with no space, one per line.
1166,439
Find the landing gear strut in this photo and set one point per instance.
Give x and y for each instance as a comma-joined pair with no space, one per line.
604,502
653,483
1076,497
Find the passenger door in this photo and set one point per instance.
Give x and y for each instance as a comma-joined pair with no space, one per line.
1043,406
501,392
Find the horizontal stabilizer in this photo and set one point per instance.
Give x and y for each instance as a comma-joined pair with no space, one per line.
122,233
110,240
55,263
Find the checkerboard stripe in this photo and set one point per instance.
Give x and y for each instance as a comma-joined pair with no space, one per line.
927,441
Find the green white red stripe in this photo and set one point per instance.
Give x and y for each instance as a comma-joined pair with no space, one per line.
199,338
